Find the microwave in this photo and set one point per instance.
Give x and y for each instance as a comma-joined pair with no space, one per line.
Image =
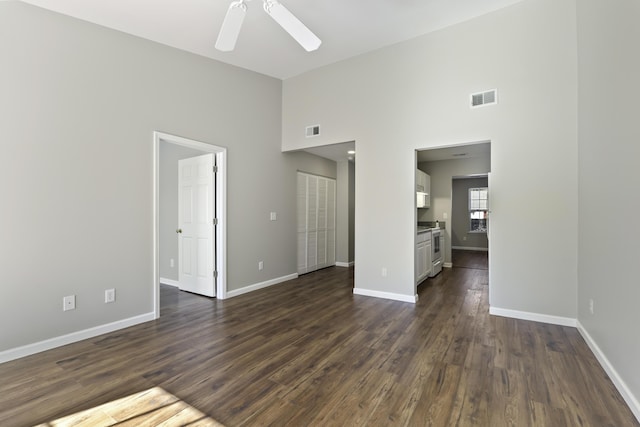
422,200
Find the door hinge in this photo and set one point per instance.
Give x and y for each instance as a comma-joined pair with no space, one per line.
215,221
215,274
215,169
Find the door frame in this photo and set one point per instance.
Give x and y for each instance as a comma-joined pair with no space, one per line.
450,208
220,242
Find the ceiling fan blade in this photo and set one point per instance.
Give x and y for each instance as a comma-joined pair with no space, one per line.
292,25
231,26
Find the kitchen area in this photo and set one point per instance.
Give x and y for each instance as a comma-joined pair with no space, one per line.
437,170
429,236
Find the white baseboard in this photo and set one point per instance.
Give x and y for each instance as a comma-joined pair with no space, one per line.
29,349
169,282
261,285
469,248
536,317
622,387
344,264
447,265
385,295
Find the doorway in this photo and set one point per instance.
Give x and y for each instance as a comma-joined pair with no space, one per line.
470,221
442,165
164,232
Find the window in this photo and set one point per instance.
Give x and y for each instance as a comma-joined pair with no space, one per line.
478,209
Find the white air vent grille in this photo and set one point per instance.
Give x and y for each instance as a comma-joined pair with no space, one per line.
312,131
484,98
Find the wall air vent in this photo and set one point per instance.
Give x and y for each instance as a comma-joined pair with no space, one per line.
481,99
312,131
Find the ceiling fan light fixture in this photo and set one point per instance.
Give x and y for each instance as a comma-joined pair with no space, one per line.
292,25
231,26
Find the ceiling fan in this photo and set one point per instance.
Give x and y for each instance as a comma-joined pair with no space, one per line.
292,25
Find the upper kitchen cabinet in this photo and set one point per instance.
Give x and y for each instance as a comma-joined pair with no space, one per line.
423,189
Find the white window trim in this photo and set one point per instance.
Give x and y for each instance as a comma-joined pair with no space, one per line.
469,230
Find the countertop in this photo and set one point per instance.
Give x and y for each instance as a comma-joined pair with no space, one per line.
423,229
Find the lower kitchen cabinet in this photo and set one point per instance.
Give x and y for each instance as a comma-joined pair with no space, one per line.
423,256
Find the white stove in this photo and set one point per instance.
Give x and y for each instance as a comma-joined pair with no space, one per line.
436,251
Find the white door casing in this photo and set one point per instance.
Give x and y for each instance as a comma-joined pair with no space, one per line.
196,225
220,154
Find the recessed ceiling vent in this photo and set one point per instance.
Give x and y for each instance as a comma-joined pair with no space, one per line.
312,131
481,99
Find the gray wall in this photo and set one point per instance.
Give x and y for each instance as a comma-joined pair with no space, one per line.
442,173
609,137
415,95
168,215
345,212
460,235
78,109
352,211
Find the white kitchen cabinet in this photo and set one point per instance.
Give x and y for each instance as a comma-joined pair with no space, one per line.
423,189
423,256
316,208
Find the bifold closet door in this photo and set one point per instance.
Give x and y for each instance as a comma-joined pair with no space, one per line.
316,201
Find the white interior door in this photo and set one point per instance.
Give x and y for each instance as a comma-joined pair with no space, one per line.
196,225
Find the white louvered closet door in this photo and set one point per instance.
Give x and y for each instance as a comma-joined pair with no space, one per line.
316,204
331,222
302,222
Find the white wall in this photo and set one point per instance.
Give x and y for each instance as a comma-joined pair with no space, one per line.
78,109
414,95
609,148
345,211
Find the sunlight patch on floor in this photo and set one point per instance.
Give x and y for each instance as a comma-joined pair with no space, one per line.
153,407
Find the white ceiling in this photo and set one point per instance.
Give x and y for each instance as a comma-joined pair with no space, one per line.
346,28
469,151
336,152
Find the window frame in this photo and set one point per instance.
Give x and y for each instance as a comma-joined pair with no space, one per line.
472,210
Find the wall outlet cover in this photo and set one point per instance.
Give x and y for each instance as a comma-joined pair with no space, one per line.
69,303
109,295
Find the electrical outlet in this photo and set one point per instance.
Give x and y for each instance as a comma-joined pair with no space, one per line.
464,237
273,216
69,303
172,263
260,265
445,215
384,271
591,305
109,295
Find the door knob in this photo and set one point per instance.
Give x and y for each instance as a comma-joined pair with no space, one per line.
179,230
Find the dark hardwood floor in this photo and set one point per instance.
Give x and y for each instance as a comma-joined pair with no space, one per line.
309,352
470,259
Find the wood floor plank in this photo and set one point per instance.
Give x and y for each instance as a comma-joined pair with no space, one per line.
435,402
310,353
